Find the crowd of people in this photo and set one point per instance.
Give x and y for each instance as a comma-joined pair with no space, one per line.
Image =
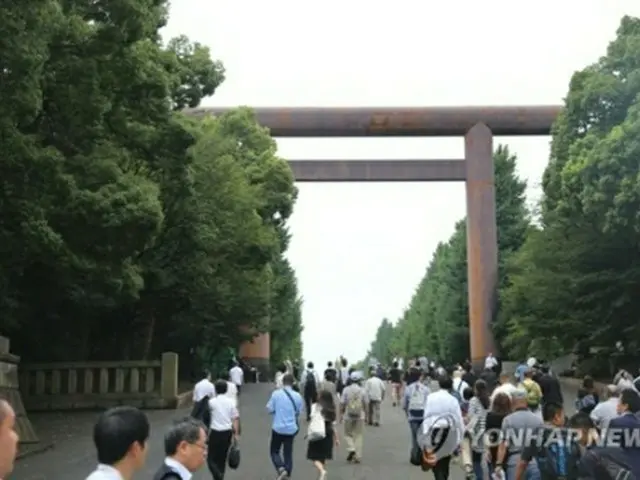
494,424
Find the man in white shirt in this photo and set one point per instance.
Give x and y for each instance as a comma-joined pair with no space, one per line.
120,436
374,389
442,419
8,438
232,390
204,388
224,429
505,387
490,362
236,374
185,446
459,385
608,409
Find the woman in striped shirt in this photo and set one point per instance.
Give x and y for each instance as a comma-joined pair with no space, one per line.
476,422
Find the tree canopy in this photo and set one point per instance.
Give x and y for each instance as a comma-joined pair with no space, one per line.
128,228
567,281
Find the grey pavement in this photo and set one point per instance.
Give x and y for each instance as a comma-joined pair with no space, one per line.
386,448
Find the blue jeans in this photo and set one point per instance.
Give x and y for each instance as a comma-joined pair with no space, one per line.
478,468
284,443
532,472
414,426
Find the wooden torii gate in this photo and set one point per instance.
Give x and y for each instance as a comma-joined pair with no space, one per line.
478,125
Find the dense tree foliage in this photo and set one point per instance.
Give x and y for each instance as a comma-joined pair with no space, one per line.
569,282
128,228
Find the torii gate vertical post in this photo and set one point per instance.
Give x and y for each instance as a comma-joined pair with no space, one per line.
476,124
482,239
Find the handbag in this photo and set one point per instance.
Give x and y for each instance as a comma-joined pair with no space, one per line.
316,429
233,457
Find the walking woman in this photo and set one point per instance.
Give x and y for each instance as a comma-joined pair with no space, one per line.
476,422
500,408
319,451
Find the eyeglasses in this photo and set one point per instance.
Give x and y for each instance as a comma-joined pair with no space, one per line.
201,446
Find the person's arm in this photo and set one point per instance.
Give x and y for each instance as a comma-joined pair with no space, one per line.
270,405
405,399
501,456
235,416
528,454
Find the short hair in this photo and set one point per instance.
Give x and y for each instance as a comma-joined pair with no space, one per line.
221,387
329,364
551,410
631,399
467,394
116,430
581,420
445,382
310,365
287,379
186,429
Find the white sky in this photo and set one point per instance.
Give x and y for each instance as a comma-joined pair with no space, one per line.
360,249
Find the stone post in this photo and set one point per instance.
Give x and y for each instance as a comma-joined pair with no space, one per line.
169,381
10,390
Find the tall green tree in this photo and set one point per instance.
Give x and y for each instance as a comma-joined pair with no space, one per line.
583,265
129,228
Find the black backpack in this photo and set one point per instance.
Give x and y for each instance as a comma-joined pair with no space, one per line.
200,411
558,459
608,463
310,387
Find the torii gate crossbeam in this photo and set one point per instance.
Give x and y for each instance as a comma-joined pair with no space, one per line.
476,124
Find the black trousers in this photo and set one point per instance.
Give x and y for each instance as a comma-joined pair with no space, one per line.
307,405
441,468
219,443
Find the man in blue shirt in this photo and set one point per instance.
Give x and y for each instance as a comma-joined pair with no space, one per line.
285,405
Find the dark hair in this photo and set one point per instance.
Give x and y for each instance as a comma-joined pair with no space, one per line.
482,392
550,411
206,373
544,368
117,430
587,382
329,364
581,420
287,379
187,429
344,362
501,404
467,394
395,365
221,387
445,382
282,368
631,399
329,375
310,365
413,375
326,402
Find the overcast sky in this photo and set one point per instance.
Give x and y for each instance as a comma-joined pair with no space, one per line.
360,249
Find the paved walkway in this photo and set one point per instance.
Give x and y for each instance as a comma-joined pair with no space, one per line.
385,456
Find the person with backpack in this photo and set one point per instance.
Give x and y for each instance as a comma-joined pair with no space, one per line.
354,407
556,450
534,392
309,388
415,396
459,385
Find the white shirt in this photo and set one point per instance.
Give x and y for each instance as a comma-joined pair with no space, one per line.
490,362
440,408
105,472
374,389
604,412
177,467
279,377
203,389
459,386
344,375
506,388
223,413
232,392
237,375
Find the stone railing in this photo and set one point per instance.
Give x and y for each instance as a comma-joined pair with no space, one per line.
91,385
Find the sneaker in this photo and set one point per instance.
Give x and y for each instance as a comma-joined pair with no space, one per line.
323,476
282,474
351,456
